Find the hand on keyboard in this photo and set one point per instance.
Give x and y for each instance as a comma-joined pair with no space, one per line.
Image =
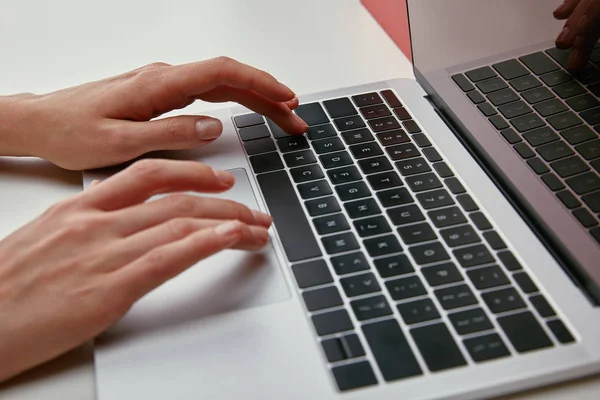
581,30
108,122
75,270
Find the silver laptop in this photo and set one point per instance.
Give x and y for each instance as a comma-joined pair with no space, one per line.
433,239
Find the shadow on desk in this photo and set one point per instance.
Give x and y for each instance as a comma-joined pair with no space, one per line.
30,168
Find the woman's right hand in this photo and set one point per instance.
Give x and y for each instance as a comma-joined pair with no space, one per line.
75,270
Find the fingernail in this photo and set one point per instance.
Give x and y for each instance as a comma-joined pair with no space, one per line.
94,182
262,218
563,34
224,177
208,128
230,228
260,235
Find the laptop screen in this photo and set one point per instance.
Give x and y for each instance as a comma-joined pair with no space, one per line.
445,33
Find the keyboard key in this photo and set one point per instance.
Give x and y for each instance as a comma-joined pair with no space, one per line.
419,183
429,253
292,143
335,160
339,243
353,191
343,348
383,245
389,138
568,199
592,116
442,274
584,183
537,165
432,154
394,197
589,150
569,166
332,322
485,278
391,98
374,165
417,233
421,140
480,221
306,173
588,75
516,325
552,182
585,218
525,83
488,347
515,109
321,132
402,114
550,107
510,69
413,166
299,158
314,189
554,151
480,74
595,89
405,215
556,78
560,56
312,273
477,97
509,261
542,306
348,263
455,296
443,169
454,185
539,63
526,122
358,285
312,114
435,199
502,300
459,235
500,97
254,132
362,208
536,95
353,376
391,350
418,311
393,266
487,110
578,134
510,135
266,162
372,226
376,111
385,180
564,120
404,288
365,150
596,165
331,224
491,85
357,136
583,102
525,282
462,82
371,307
402,151
411,126
467,202
276,130
593,201
258,146
348,123
383,124
242,121
560,331
327,145
473,255
438,348
524,150
320,299
344,175
342,107
494,240
470,321
569,89
367,99
447,217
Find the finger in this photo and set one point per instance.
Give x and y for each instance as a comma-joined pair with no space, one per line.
174,133
293,103
149,177
167,261
137,245
573,26
147,215
564,10
582,49
280,113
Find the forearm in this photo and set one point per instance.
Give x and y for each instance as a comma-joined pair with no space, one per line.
15,116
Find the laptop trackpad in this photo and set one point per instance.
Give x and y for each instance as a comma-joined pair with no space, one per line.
230,280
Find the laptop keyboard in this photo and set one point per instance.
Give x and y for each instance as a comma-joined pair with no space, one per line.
395,261
552,120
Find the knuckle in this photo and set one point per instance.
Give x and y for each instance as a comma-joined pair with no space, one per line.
146,168
181,227
183,205
176,133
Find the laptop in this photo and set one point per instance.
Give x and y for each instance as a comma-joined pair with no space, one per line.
432,239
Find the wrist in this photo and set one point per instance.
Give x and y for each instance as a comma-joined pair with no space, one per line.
16,113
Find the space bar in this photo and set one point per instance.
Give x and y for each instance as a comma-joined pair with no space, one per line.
290,221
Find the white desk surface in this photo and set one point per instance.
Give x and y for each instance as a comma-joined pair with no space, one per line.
311,45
